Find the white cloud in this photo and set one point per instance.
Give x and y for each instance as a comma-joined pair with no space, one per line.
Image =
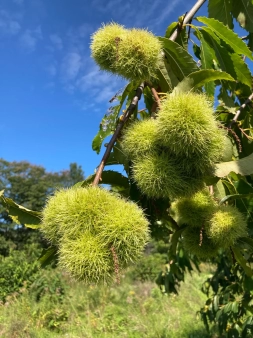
71,66
99,85
8,24
56,41
133,11
30,38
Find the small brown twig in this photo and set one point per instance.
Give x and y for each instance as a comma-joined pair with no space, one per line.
235,136
116,264
119,127
233,255
188,17
201,235
238,112
246,135
156,97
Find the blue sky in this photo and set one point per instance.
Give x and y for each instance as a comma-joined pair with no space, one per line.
52,95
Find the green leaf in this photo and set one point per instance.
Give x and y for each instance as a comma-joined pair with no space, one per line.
109,177
242,261
106,128
174,241
232,39
200,78
234,197
242,70
21,215
164,78
47,256
220,10
207,56
243,12
243,167
182,38
222,54
180,60
109,121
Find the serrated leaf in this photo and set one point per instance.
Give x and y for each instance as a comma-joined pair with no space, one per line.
47,256
221,10
200,78
207,56
20,214
234,197
226,34
242,70
109,177
243,167
164,79
109,121
242,261
170,29
180,60
222,54
243,12
181,38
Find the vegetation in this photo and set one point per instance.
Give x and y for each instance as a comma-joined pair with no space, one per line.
165,175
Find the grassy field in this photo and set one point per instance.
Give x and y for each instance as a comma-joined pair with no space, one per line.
131,309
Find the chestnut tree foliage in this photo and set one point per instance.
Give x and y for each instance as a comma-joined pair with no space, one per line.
209,57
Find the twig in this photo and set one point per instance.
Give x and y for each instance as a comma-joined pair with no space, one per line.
120,125
157,99
248,101
116,264
235,136
246,135
188,18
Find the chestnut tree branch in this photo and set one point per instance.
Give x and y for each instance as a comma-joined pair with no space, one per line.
248,101
188,17
119,127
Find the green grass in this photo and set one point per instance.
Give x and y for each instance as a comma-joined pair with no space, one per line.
131,309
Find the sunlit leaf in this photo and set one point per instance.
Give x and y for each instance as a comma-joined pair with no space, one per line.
243,167
200,78
232,39
20,214
221,10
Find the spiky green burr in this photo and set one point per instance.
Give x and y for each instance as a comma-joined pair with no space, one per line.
105,46
139,55
226,226
197,242
86,258
187,127
140,138
158,176
195,210
78,216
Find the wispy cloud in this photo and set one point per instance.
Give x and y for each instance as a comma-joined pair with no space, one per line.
8,24
56,41
99,85
132,13
71,65
30,38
